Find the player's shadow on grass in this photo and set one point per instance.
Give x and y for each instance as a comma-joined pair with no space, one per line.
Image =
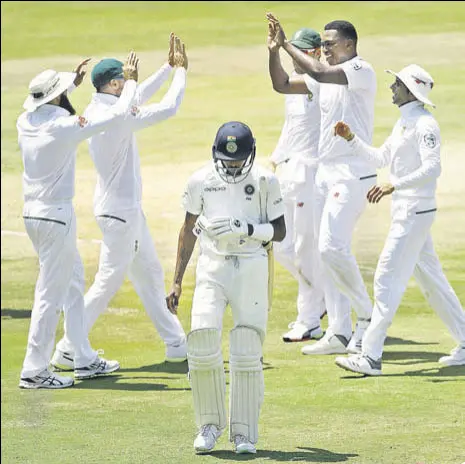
439,374
305,455
403,341
119,382
410,357
8,313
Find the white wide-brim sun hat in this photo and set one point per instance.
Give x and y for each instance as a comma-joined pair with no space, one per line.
417,80
46,86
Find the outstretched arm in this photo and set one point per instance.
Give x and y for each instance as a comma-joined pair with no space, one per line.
321,72
186,243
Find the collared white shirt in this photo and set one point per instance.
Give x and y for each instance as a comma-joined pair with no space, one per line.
209,195
48,138
413,153
115,152
301,130
353,103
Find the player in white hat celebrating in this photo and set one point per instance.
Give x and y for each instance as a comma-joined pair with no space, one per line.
48,135
296,156
413,153
235,207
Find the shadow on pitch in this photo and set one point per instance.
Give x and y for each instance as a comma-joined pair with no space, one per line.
410,357
119,382
8,313
434,374
403,341
305,455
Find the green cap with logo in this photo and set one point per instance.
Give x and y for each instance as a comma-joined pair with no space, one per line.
106,70
306,39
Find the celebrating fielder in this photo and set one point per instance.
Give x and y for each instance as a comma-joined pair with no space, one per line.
48,135
127,246
235,207
347,91
296,156
413,153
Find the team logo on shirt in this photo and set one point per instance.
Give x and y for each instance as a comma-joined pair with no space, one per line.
249,189
430,140
310,95
357,65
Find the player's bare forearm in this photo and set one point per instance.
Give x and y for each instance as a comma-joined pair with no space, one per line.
279,77
186,244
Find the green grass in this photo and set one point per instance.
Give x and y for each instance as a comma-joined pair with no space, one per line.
313,411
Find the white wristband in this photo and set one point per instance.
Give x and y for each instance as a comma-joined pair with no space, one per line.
263,232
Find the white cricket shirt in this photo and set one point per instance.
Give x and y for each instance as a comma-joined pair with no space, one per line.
115,152
207,194
413,153
354,104
48,138
301,130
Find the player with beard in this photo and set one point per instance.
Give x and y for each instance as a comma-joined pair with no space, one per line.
48,135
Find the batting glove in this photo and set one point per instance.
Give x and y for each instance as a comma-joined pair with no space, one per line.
229,227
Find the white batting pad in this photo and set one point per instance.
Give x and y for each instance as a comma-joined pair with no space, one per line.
207,377
246,380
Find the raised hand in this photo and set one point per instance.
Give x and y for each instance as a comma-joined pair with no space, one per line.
343,130
180,56
131,67
377,192
270,41
279,35
171,50
80,71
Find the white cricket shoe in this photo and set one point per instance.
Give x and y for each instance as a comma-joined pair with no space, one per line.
206,438
456,357
360,364
355,344
176,354
300,333
62,360
329,344
99,367
46,379
242,445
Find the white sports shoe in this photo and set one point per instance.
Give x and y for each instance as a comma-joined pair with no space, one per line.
62,361
99,367
242,445
329,344
46,379
176,354
355,344
300,333
456,357
206,438
360,364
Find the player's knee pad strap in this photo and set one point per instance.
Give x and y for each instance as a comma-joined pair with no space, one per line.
207,377
246,380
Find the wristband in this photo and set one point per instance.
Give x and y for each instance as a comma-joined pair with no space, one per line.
262,232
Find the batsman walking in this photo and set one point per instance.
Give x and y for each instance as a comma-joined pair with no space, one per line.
222,204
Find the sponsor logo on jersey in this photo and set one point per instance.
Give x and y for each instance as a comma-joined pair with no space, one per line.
278,201
336,194
214,189
300,204
357,65
249,189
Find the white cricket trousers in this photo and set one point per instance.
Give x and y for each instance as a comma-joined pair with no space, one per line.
298,252
60,284
338,205
241,282
409,250
127,248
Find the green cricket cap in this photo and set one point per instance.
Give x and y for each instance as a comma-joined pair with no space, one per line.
106,70
306,39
